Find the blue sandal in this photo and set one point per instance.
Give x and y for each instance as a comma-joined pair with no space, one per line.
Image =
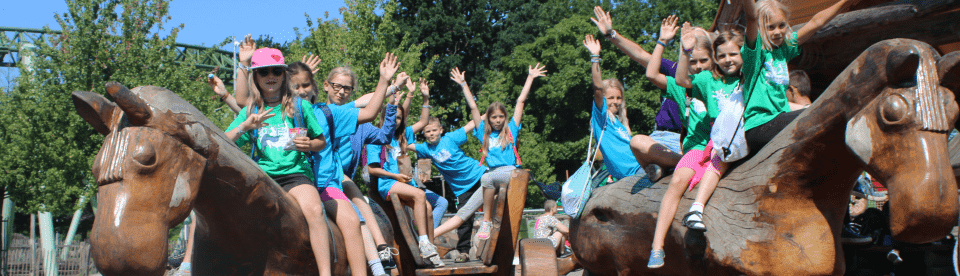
656,258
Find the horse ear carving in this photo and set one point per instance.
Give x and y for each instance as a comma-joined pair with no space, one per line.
95,109
949,71
902,65
137,110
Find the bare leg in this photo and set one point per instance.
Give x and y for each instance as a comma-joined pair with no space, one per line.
647,151
309,200
369,249
417,199
448,226
350,227
188,255
350,189
429,220
669,204
709,183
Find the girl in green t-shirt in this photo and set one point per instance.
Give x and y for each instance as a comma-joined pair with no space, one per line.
270,122
698,164
770,44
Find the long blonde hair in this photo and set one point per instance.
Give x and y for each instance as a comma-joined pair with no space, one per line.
765,10
286,94
615,83
505,134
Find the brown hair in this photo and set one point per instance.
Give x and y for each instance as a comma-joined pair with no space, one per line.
726,36
299,67
487,129
256,100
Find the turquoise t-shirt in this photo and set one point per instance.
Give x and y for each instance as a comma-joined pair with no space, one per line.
498,155
615,143
766,79
692,112
274,160
458,169
325,165
390,165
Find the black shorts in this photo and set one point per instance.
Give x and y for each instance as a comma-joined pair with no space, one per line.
759,136
289,181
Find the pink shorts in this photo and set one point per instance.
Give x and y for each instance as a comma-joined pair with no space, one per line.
694,159
331,193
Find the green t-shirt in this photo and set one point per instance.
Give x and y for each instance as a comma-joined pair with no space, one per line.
707,89
692,112
766,79
274,160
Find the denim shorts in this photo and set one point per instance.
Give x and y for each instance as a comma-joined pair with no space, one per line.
669,139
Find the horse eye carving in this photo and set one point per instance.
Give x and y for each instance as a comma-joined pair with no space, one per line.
894,109
145,155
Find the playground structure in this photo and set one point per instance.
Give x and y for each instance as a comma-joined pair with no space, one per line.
162,158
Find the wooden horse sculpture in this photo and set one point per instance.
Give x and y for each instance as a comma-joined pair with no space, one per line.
161,158
781,211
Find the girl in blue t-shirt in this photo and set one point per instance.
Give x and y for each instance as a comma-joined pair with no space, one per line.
499,143
383,164
769,45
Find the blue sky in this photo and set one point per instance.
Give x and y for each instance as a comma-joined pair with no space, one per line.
206,22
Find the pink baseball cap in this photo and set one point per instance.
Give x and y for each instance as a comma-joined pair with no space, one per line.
266,57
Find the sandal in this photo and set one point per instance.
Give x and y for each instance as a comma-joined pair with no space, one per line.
462,258
694,220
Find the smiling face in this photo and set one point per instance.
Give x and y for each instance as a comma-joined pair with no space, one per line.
270,83
775,27
728,59
339,89
700,61
614,98
302,85
433,132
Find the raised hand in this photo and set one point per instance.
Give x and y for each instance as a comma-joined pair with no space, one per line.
603,20
247,47
592,44
410,85
255,121
401,79
424,88
536,71
398,98
217,85
688,37
312,61
388,66
458,76
668,29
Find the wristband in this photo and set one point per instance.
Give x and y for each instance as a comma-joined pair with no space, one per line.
661,43
594,56
241,66
611,35
224,97
596,60
425,106
240,129
391,90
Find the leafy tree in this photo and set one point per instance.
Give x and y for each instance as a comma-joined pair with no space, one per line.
49,148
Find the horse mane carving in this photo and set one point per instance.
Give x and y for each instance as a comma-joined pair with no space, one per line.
780,212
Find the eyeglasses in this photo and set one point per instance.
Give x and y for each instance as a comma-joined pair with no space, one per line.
277,71
337,86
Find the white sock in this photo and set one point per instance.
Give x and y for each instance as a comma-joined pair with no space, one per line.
185,266
697,206
423,239
376,267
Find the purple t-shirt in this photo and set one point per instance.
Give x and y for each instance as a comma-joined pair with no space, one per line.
668,118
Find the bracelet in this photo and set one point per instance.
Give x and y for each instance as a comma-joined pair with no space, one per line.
425,106
594,56
612,34
661,43
596,60
391,90
241,66
687,50
240,129
224,97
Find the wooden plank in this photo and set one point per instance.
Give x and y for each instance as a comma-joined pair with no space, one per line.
513,214
489,246
452,268
406,263
537,258
406,230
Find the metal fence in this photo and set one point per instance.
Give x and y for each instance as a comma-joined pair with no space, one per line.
26,259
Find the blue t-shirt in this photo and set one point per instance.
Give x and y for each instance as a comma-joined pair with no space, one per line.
615,144
391,165
458,169
325,166
498,155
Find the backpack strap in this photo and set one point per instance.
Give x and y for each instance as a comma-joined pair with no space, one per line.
333,138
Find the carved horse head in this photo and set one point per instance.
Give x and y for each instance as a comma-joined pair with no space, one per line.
901,136
148,172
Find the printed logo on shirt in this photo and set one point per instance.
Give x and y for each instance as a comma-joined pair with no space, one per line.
494,141
697,106
623,133
274,136
442,156
777,72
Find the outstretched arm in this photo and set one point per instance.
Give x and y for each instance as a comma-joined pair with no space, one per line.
605,24
532,73
217,85
388,67
594,47
750,12
668,29
244,55
411,87
425,111
458,76
687,41
822,18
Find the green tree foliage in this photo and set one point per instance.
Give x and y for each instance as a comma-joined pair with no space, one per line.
48,148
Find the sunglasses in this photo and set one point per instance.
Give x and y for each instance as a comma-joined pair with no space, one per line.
337,86
277,71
